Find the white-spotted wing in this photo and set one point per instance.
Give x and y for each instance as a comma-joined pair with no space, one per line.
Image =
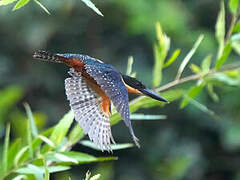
111,83
85,104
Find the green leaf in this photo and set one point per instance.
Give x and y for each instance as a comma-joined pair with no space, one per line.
223,58
46,171
160,49
31,120
233,6
6,2
42,6
211,92
20,177
236,28
192,93
5,149
31,169
236,43
196,69
12,152
147,117
222,78
90,144
58,157
20,4
172,58
206,64
76,134
29,139
129,66
220,29
61,128
20,154
47,141
189,56
92,6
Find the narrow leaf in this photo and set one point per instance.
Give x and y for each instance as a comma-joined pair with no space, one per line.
189,56
5,149
31,120
192,93
196,69
12,152
223,58
29,139
233,6
64,158
20,4
172,58
6,2
46,140
147,117
92,6
61,128
220,29
19,155
211,92
129,66
76,134
20,177
42,6
206,63
90,144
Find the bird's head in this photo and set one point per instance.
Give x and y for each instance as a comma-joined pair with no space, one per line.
136,86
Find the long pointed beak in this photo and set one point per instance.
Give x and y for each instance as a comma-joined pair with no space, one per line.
153,95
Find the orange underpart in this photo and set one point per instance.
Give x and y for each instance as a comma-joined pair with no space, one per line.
105,100
74,63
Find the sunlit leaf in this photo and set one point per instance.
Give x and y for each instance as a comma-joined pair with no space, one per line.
59,157
236,43
46,140
20,4
206,64
236,28
220,29
20,177
76,134
172,58
211,92
29,139
46,171
61,128
147,117
227,50
6,2
196,69
31,120
90,144
233,6
92,6
129,66
161,49
222,78
95,177
42,6
192,93
32,169
12,152
189,56
19,155
5,150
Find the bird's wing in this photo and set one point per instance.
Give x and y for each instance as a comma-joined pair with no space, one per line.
85,104
110,81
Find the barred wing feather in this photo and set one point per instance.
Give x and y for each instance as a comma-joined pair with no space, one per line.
85,104
111,82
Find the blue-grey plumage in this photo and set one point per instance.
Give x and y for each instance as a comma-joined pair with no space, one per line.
92,85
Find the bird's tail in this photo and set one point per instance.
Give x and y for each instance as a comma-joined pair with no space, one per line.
46,56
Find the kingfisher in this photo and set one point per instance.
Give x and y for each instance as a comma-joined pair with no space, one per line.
91,88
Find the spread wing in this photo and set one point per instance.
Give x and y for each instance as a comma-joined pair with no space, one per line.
85,104
111,82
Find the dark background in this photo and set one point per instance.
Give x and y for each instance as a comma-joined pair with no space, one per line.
190,144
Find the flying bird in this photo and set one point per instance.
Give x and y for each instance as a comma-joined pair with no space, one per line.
92,87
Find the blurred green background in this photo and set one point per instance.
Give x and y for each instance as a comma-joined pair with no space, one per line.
189,144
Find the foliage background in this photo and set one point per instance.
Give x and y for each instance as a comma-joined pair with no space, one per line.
190,144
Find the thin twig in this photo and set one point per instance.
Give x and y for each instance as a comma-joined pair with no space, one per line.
190,78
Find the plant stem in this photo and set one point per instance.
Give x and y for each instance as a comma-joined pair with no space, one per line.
190,78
